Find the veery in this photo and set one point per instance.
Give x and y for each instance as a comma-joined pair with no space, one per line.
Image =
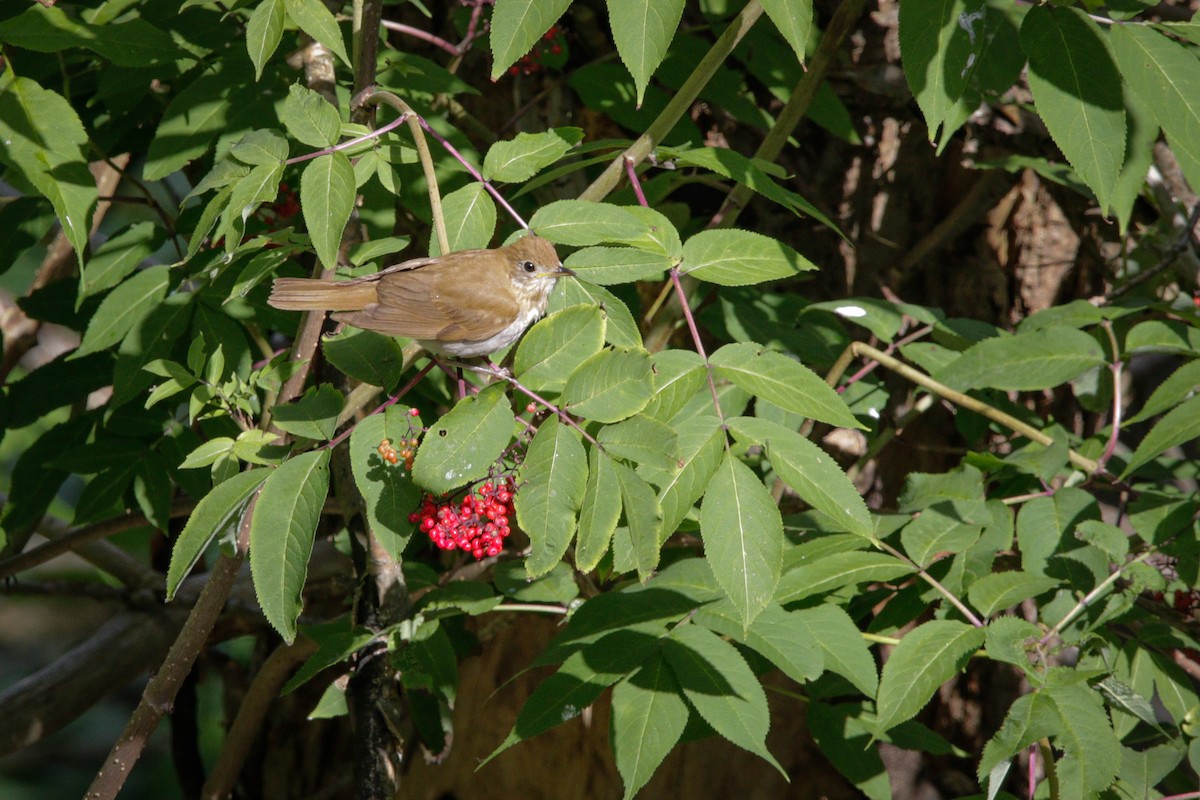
467,303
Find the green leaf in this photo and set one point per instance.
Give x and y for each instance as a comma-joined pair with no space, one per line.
1165,76
783,381
599,511
263,146
528,154
366,356
327,198
264,30
949,526
282,531
701,446
378,248
313,416
610,385
743,537
555,345
793,18
579,223
217,511
1093,753
1180,425
312,17
644,441
261,185
611,265
123,308
309,117
1024,362
150,339
1162,336
517,25
648,717
195,116
336,640
470,218
777,635
643,518
1077,90
740,258
678,375
117,258
620,331
132,43
1182,384
998,591
464,444
642,31
928,656
844,735
811,472
720,685
837,570
43,140
208,453
939,42
552,479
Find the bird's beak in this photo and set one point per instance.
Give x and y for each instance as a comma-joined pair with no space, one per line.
561,272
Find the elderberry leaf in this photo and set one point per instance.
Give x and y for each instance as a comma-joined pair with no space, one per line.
464,444
610,386
599,512
551,348
282,531
388,492
926,657
719,683
648,718
743,537
552,482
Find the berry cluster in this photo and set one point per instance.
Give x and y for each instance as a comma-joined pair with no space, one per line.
549,52
406,452
477,524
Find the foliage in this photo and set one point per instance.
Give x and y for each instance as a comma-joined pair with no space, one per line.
672,501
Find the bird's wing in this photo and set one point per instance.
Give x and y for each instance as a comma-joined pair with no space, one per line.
449,303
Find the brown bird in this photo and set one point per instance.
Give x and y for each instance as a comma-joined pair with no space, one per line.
467,303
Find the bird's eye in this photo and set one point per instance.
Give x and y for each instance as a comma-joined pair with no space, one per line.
528,266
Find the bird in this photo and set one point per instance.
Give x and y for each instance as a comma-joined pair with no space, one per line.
464,304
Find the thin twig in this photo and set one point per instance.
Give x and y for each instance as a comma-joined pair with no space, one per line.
932,581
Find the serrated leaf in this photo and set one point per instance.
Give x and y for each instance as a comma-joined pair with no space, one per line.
377,248
783,381
517,25
739,258
552,348
264,30
948,526
620,330
1180,425
310,118
312,17
123,308
117,258
553,479
195,116
599,511
701,443
643,440
263,146
1025,362
314,415
938,44
461,446
648,717
643,519
282,531
1077,90
743,537
1181,385
811,472
470,216
43,140
150,339
720,685
678,375
327,198
998,591
366,356
520,158
793,18
777,635
216,511
611,265
579,223
642,32
610,385
1093,753
928,656
837,570
260,185
1165,75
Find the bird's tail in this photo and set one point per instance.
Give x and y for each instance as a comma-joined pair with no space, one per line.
308,294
